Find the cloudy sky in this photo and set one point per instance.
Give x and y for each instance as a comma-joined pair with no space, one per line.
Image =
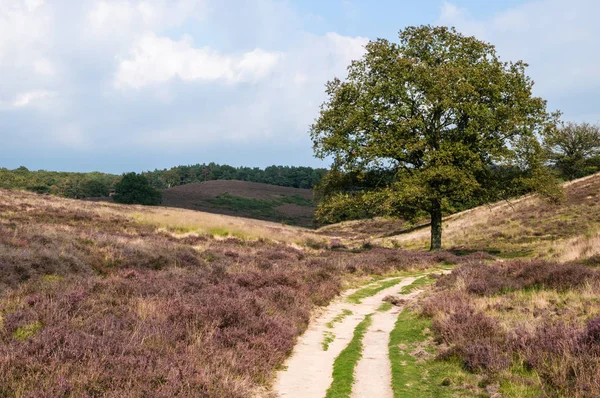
119,85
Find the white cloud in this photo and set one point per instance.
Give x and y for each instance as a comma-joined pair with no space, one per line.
557,38
119,18
24,33
159,59
156,72
44,67
279,108
32,5
27,98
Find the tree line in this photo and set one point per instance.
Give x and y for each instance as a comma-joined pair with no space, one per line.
286,176
66,184
96,184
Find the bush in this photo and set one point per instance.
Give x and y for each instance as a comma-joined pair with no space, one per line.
135,189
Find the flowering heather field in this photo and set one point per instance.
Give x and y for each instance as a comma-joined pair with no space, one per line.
95,302
532,328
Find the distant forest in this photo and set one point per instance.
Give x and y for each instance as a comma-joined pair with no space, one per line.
96,184
285,176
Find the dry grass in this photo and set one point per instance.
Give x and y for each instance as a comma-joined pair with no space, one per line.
364,229
528,324
581,247
180,221
527,227
107,300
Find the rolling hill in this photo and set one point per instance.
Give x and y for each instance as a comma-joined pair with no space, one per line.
286,205
524,227
102,299
108,299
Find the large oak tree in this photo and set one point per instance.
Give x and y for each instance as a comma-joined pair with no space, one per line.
441,112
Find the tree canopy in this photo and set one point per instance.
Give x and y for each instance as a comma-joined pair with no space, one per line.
441,113
135,189
574,149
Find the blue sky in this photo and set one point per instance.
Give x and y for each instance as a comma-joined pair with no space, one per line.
119,85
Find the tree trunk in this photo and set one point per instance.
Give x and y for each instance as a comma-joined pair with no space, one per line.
436,225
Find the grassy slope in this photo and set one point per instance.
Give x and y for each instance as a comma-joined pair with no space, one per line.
287,205
133,290
523,329
527,227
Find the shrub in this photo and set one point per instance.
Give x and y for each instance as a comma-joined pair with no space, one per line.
566,356
487,280
135,189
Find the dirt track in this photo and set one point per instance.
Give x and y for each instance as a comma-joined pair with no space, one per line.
308,372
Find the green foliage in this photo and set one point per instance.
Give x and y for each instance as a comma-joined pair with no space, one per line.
574,149
135,189
287,176
69,185
80,186
440,113
27,331
95,184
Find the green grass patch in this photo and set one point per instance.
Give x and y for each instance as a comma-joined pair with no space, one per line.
338,318
378,283
371,290
328,338
343,367
526,384
52,278
27,331
179,229
385,307
422,281
412,377
218,231
296,199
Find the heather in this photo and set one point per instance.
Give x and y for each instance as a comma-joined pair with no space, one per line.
502,277
532,323
97,301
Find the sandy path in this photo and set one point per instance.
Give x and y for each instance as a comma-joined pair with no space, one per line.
373,374
308,372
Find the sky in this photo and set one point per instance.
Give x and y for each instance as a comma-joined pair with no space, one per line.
133,85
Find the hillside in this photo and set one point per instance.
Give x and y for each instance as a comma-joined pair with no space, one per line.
525,227
100,299
245,199
109,298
